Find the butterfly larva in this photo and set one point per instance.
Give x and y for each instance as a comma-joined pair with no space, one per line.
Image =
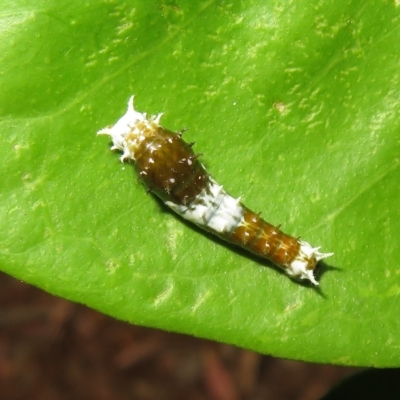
169,168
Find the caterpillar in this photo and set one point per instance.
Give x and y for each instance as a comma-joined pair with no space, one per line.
170,169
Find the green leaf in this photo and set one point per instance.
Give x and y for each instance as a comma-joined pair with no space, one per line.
295,105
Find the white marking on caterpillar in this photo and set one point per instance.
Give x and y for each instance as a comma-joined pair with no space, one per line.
213,208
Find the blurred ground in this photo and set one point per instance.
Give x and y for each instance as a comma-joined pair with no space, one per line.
51,349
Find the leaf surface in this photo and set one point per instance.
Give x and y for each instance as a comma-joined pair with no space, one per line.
296,107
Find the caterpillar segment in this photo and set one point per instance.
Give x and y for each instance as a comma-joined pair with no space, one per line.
167,166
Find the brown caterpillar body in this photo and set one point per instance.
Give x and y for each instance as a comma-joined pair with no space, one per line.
169,168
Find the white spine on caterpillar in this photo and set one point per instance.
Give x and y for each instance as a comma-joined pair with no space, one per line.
211,207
